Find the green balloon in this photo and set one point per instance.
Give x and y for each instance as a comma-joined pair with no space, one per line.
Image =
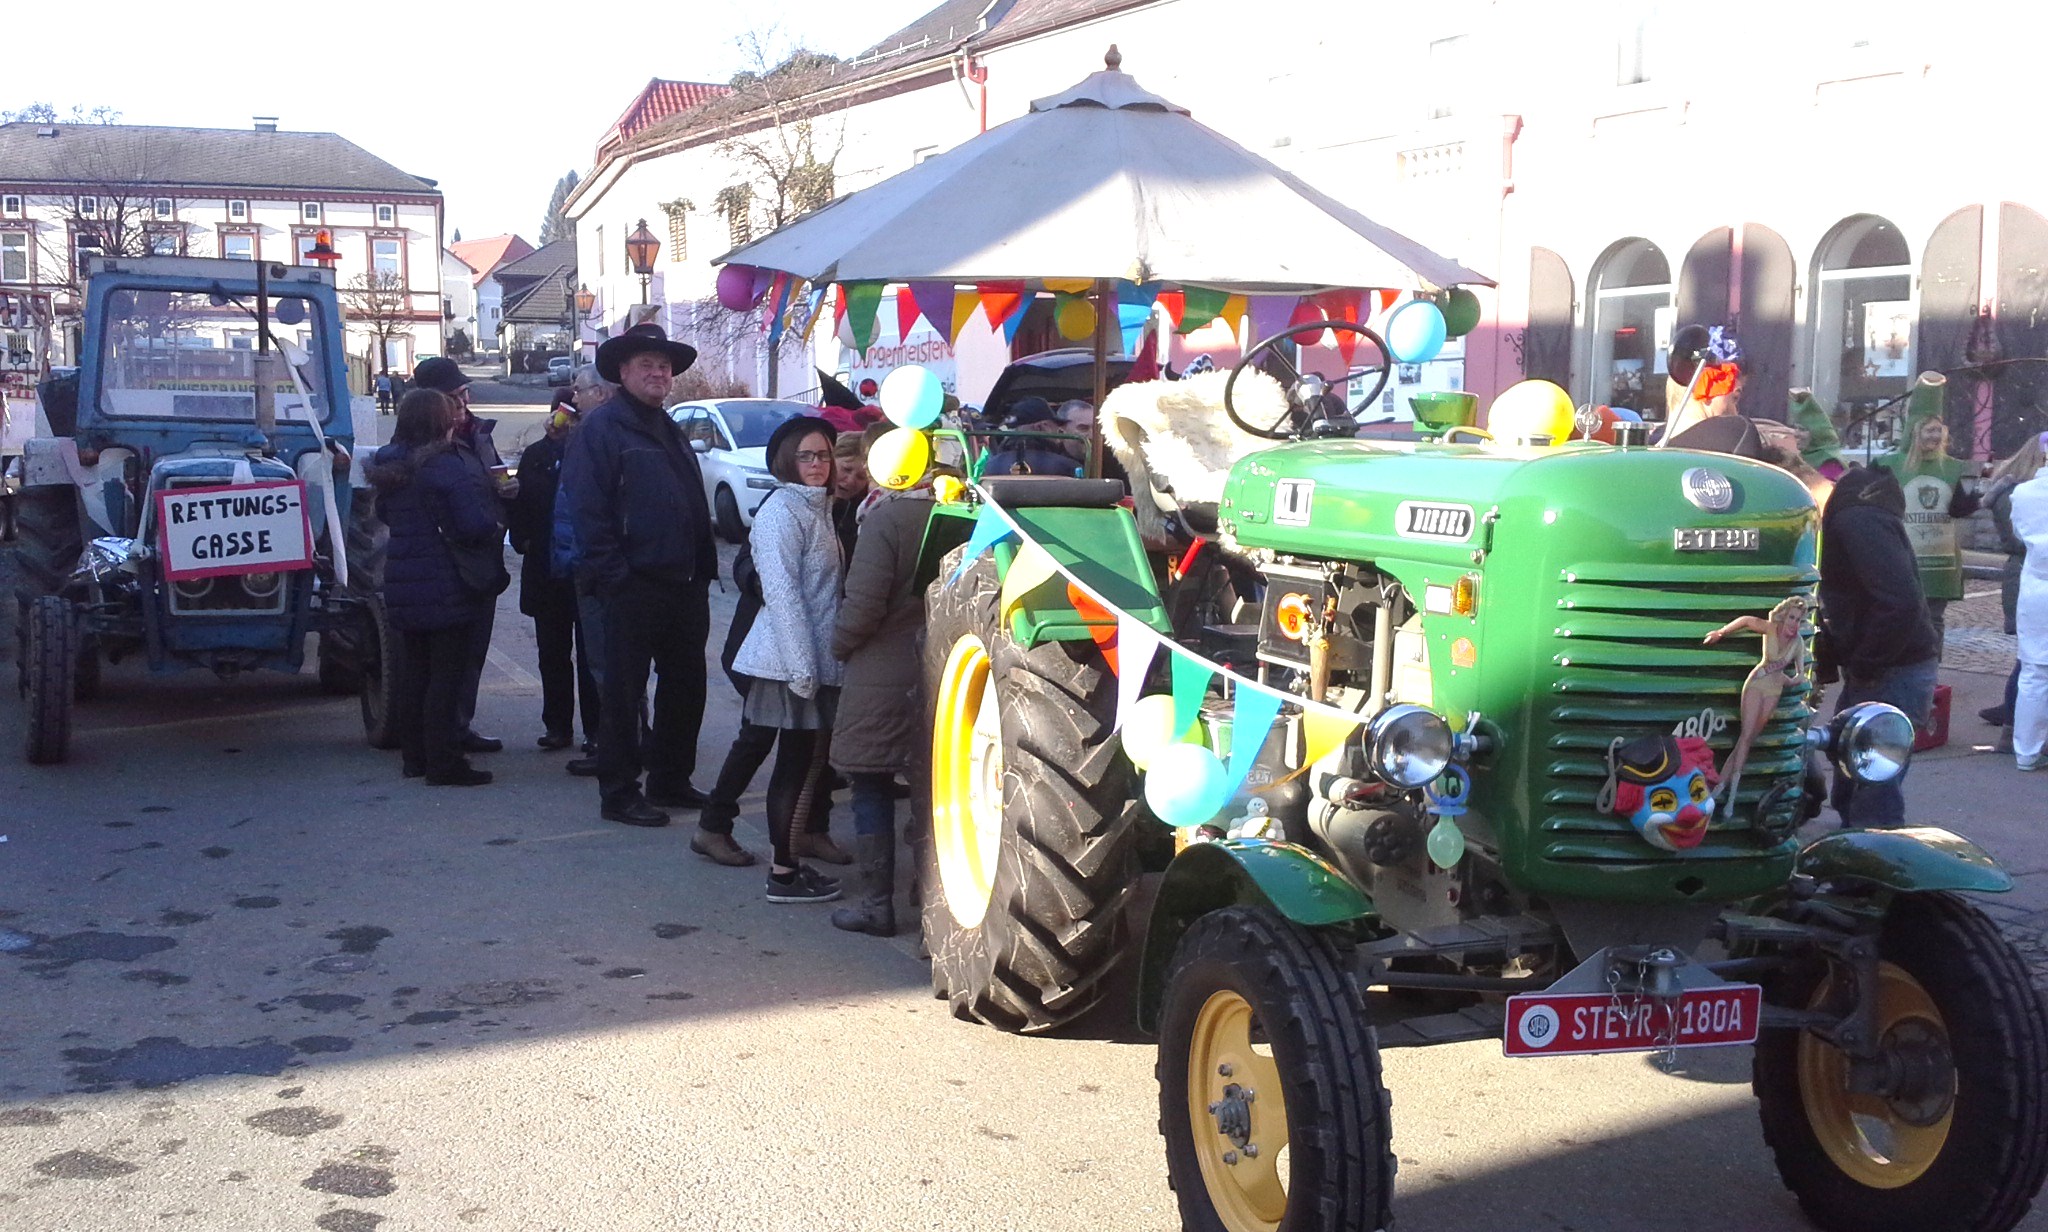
1446,843
1461,313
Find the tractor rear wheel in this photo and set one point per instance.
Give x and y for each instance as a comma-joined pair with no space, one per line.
1033,852
342,651
380,669
49,537
49,667
1950,1128
1271,1099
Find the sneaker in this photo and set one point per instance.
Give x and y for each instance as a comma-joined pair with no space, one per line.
2032,763
805,885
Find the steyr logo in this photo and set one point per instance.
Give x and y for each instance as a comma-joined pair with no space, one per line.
1707,489
1438,523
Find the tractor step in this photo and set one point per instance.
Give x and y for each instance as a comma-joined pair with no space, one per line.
1762,929
1505,935
1476,1022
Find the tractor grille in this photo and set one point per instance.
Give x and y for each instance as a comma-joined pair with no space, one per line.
1628,660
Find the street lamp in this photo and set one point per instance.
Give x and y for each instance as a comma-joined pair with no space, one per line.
569,309
585,301
641,246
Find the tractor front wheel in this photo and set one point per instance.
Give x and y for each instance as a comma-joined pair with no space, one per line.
1271,1099
379,668
49,667
1033,849
1947,1126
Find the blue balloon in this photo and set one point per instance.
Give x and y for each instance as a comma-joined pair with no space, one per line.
912,397
1186,785
1415,333
1626,415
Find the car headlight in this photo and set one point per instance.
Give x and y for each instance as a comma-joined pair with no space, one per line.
1409,746
1871,742
765,483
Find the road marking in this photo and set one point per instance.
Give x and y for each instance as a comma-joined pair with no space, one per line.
197,720
518,675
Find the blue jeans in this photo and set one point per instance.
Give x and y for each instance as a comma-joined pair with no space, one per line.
874,802
1911,689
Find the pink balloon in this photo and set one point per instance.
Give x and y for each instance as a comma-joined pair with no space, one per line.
736,291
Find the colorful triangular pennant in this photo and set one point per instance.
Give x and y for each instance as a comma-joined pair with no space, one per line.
859,300
989,529
1191,677
1030,568
1136,644
1256,710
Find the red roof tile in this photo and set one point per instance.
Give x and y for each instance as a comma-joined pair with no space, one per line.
486,255
658,101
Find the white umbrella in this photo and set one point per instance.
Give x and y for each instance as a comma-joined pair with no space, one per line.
1103,181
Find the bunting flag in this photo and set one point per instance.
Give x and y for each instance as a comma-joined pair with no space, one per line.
1069,286
1340,304
1253,716
1138,294
1012,324
964,304
934,302
1132,320
1136,645
778,302
1001,300
1103,626
1269,314
1191,677
906,313
812,305
858,302
1030,568
1176,305
1235,310
989,530
1322,732
1387,297
1200,305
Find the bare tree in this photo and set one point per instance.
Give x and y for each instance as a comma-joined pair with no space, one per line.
790,135
113,174
376,300
556,226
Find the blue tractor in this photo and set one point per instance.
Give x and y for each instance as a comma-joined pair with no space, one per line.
191,504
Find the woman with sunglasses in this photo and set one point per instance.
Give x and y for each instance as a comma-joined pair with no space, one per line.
788,652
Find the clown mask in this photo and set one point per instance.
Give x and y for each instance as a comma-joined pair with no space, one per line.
1664,785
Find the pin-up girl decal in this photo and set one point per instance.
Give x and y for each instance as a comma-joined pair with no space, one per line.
1783,664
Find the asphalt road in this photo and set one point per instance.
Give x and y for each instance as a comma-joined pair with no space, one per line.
250,979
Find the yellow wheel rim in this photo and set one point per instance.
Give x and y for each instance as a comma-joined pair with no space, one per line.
967,782
1879,1141
1238,1116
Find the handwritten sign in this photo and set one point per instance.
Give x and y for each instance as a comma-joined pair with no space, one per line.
252,528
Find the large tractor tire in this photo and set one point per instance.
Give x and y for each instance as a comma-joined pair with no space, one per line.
367,540
49,667
1959,1143
49,536
380,668
1271,1099
1033,853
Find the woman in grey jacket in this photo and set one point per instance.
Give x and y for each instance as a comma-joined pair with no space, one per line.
789,650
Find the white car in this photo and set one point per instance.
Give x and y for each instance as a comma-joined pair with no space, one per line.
730,436
561,368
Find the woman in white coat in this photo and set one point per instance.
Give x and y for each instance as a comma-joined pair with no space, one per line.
2030,707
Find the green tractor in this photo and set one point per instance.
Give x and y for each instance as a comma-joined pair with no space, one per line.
1544,658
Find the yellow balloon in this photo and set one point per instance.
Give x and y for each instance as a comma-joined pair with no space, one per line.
1532,408
899,458
947,489
1075,319
1148,728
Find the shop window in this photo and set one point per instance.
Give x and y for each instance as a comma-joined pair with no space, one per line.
1864,315
1631,319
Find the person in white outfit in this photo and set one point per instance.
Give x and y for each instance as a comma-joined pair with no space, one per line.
2030,705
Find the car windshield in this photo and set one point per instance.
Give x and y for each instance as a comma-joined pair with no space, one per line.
752,421
178,355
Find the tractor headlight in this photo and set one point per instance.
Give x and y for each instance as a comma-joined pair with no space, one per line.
1408,746
1871,742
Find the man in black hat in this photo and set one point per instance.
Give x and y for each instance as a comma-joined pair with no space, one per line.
636,500
478,453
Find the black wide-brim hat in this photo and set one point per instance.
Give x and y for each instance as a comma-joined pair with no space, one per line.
798,426
648,337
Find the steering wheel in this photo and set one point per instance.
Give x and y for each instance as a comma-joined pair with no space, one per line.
1300,390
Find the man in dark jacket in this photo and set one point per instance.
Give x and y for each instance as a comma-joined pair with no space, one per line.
1878,630
478,453
636,502
548,595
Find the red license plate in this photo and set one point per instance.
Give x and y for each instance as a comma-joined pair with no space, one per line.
1556,1024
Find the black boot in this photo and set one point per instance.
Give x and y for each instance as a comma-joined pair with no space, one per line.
875,913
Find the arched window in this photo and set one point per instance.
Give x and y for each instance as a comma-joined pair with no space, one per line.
1547,349
1864,315
1631,326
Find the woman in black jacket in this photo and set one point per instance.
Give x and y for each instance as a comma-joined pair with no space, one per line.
435,509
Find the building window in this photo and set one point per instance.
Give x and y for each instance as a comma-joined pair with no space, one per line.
310,211
386,215
1633,59
162,207
1449,73
164,241
1863,315
10,205
302,241
385,255
238,245
600,258
85,245
1632,317
13,256
238,211
88,207
678,236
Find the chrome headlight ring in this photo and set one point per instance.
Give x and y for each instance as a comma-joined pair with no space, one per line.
1871,742
1409,746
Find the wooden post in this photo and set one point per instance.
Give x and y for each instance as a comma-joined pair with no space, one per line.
1105,320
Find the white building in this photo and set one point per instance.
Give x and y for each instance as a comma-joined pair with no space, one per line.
485,257
458,297
71,190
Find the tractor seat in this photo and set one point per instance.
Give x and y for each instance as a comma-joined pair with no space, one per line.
1047,491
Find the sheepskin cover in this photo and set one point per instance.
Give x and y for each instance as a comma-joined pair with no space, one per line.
1174,437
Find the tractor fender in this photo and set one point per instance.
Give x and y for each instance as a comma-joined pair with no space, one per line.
1910,858
1206,877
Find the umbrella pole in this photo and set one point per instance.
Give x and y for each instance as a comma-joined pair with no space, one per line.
1105,308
